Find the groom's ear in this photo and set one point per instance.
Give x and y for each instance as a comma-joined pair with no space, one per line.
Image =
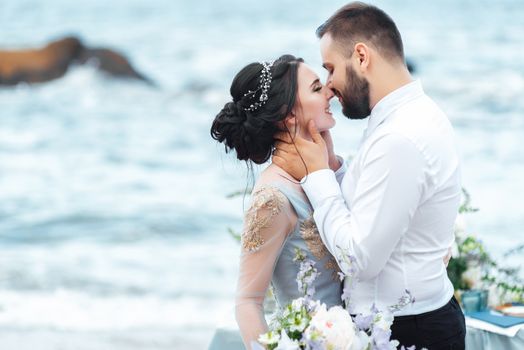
362,56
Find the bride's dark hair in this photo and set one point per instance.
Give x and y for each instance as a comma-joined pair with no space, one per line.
250,133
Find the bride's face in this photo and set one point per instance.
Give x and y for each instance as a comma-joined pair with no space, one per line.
313,101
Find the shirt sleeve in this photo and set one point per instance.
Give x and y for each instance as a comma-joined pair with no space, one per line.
387,194
267,223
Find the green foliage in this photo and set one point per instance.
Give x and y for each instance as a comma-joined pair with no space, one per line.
235,194
466,204
472,249
456,267
472,253
234,234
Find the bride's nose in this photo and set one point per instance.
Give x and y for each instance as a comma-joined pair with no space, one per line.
329,93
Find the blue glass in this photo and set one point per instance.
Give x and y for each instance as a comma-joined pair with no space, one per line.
484,295
470,301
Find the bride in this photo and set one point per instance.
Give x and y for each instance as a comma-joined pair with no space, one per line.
279,228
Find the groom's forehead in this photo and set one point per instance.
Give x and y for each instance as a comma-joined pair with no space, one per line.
329,48
325,42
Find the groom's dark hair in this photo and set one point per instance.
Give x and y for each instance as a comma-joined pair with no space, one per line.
358,21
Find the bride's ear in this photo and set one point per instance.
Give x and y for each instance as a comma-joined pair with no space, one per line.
290,122
291,119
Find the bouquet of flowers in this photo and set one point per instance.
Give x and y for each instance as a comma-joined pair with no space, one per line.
306,323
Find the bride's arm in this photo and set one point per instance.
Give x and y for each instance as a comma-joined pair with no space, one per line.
266,225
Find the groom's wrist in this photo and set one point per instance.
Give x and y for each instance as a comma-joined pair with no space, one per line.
334,162
320,185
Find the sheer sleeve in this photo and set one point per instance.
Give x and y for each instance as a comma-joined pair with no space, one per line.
267,223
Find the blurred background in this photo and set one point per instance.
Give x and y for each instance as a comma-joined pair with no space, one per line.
113,196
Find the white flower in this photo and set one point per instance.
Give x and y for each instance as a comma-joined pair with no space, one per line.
286,343
299,323
312,305
335,325
320,313
384,320
269,338
473,276
297,304
361,341
494,296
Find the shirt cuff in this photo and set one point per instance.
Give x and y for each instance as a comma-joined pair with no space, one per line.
339,174
320,185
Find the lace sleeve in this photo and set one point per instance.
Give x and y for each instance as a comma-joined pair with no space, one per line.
267,223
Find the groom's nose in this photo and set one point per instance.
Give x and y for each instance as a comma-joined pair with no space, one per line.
329,82
329,93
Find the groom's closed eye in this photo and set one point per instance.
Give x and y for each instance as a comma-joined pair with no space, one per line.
328,67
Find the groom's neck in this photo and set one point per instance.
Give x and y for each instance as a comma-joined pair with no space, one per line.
387,78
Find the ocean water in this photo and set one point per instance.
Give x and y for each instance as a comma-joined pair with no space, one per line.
113,197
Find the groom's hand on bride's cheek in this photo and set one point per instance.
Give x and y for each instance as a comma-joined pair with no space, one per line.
333,161
298,154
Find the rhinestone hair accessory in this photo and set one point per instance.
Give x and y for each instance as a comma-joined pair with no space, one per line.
265,82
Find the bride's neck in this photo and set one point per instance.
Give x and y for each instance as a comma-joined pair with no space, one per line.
304,134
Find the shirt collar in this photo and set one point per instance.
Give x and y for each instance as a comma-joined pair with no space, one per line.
391,102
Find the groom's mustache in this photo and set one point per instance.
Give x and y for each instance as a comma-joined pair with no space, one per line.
338,95
336,92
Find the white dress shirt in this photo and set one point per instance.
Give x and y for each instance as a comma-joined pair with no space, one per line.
395,207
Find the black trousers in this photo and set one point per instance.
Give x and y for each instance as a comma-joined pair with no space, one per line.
444,328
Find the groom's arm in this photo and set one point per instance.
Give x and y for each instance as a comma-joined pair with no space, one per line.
386,197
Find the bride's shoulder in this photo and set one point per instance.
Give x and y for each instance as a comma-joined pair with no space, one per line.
274,176
270,191
269,208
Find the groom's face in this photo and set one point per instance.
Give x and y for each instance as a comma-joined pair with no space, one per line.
351,89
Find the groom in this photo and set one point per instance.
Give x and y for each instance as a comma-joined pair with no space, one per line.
394,209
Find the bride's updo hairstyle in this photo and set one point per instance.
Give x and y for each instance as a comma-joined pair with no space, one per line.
263,95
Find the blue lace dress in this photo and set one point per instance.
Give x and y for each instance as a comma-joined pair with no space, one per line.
278,224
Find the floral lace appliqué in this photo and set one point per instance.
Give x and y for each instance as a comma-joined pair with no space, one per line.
267,202
310,234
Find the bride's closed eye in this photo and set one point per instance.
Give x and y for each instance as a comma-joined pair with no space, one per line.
316,86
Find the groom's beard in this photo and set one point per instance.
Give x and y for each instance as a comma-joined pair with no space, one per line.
355,97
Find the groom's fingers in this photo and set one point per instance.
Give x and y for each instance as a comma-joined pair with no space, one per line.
315,134
287,147
281,152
